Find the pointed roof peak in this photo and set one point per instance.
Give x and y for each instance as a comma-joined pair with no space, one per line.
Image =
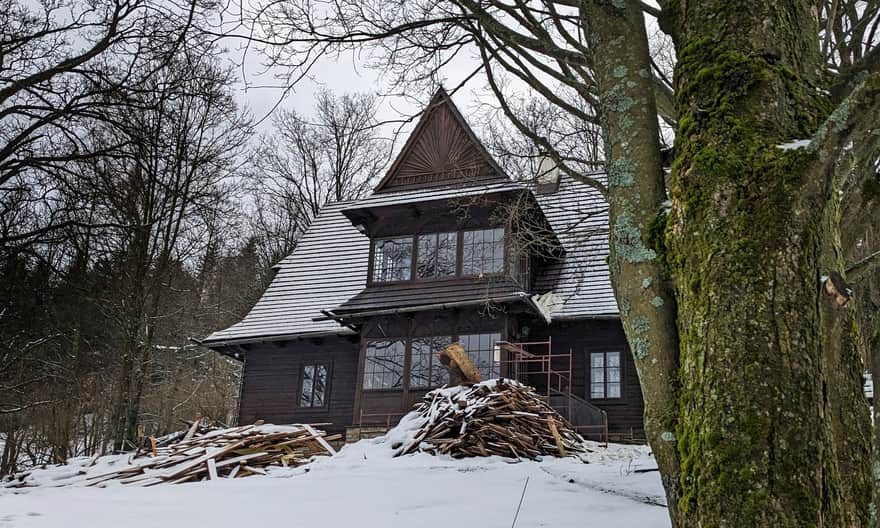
441,150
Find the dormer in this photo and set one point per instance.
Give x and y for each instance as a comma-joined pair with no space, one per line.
443,212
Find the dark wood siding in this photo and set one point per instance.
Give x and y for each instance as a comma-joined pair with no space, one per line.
270,389
625,415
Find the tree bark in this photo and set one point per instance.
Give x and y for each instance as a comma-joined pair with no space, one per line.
770,428
636,194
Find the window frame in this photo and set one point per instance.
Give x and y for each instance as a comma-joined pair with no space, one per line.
433,363
504,252
406,379
589,389
326,399
372,264
417,254
459,256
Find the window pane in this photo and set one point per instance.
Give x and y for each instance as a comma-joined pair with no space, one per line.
613,359
426,370
420,370
320,384
446,253
392,259
481,349
597,391
614,390
305,397
427,263
383,364
613,374
597,359
437,253
483,251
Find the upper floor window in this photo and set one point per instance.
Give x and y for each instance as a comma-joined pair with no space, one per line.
313,385
482,251
437,255
392,259
604,375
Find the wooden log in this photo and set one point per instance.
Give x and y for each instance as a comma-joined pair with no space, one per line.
461,369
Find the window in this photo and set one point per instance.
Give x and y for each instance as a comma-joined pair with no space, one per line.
484,352
437,253
426,372
313,386
384,364
604,375
482,252
392,259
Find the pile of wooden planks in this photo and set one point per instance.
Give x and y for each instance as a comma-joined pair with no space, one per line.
220,453
498,417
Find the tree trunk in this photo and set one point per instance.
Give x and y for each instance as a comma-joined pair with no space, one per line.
765,402
636,194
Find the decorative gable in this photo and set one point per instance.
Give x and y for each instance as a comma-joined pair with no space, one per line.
442,150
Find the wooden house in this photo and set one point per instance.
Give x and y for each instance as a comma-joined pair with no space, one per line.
448,248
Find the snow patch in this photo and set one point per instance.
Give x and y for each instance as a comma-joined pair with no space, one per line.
794,145
547,303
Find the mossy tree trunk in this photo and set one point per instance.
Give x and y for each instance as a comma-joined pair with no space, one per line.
772,426
749,369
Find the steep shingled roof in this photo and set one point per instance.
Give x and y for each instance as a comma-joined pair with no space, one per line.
329,267
581,280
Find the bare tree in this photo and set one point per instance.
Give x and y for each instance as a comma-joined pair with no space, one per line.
751,378
333,156
59,62
182,149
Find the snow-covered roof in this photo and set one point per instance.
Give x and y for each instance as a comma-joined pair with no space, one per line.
329,267
580,282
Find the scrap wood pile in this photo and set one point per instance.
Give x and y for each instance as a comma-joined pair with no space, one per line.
498,417
201,454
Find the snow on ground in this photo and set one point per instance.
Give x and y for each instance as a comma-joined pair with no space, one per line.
364,485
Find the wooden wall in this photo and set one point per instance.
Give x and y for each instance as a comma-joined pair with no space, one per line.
270,388
625,415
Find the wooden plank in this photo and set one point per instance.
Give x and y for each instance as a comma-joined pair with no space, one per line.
320,439
192,430
552,423
212,469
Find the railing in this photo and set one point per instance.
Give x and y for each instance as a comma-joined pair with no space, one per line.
590,421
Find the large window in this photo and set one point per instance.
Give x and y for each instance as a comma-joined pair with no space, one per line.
426,371
313,386
604,375
484,352
392,259
384,364
437,252
482,252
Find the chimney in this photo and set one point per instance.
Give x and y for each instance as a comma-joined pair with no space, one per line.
547,180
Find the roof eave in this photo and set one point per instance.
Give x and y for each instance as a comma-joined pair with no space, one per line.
250,340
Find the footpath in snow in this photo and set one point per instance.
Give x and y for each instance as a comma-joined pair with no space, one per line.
364,486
